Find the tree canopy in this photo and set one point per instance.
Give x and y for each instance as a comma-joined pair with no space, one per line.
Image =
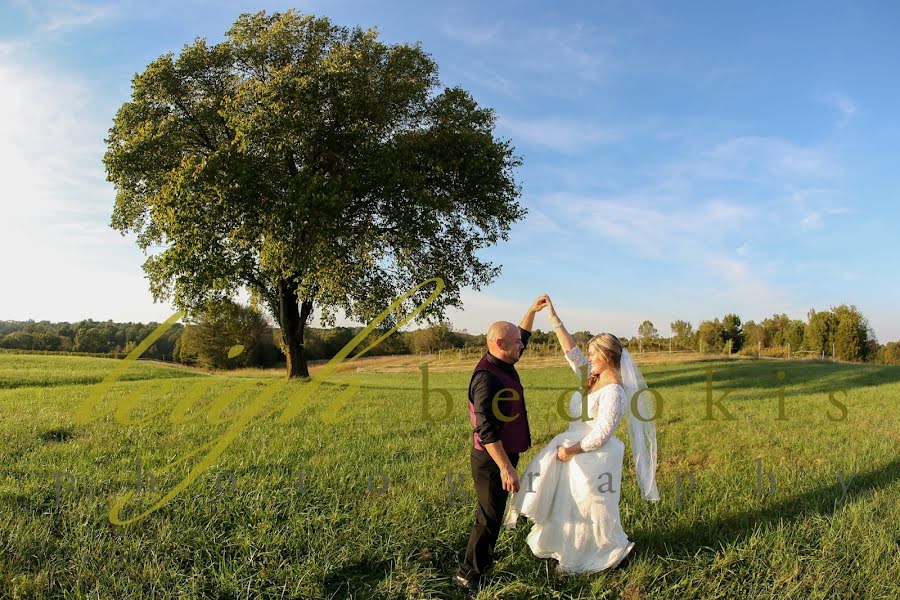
314,165
732,332
212,337
646,331
683,333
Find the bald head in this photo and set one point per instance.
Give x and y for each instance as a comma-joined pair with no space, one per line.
504,341
501,329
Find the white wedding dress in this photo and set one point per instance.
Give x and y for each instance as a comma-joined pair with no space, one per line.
575,504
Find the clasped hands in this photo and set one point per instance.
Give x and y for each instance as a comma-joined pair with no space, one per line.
563,454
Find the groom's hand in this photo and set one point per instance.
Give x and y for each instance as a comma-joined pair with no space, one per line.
510,478
540,303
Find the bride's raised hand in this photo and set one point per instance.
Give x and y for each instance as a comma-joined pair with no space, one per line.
551,312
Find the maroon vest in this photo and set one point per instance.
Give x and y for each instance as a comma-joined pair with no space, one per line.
515,435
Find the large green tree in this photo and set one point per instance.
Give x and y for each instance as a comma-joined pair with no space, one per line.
731,331
820,329
647,332
781,330
754,335
889,354
213,336
314,165
852,334
683,333
711,336
431,339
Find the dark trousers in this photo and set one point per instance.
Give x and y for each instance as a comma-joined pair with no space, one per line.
488,515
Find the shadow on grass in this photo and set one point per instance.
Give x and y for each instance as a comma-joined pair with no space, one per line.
93,379
800,377
61,434
359,579
737,527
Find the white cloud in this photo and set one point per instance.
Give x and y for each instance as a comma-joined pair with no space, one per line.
739,286
577,49
470,34
558,134
60,257
73,15
693,240
572,53
26,5
653,228
752,157
9,47
772,163
47,145
63,15
538,223
813,205
790,185
486,77
842,103
811,221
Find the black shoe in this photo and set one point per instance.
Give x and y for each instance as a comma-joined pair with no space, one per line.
470,586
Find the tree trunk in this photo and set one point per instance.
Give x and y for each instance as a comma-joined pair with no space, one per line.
293,317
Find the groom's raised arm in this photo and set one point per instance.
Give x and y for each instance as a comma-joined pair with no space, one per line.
527,321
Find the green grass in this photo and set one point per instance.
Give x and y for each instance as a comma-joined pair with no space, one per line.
336,539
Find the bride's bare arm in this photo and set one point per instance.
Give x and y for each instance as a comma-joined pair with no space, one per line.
565,339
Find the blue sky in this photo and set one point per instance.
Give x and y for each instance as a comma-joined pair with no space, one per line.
681,160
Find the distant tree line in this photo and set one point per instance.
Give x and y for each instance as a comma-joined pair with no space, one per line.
841,332
207,338
228,335
87,337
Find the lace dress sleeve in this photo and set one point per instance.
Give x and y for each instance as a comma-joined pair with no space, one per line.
579,363
610,408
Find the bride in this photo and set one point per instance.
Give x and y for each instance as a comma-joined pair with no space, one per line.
571,488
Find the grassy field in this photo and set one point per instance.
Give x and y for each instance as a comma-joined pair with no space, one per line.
341,534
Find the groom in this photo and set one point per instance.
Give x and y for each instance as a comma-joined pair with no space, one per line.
500,421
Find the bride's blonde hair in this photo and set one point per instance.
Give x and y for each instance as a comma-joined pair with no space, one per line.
610,347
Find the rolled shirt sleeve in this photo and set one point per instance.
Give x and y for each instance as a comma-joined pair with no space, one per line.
526,335
483,388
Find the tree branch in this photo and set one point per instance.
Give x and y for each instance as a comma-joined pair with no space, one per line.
198,127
